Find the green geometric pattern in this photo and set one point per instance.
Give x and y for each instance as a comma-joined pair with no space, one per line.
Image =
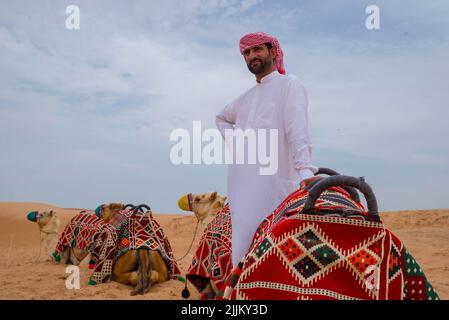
263,247
412,268
430,292
325,255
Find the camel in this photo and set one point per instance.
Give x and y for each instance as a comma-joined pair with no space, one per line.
141,267
48,223
205,206
125,268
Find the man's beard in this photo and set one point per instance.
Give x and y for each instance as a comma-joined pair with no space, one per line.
262,66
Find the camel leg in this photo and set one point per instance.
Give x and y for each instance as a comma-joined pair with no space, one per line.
77,255
126,278
47,243
151,268
65,255
159,270
157,277
124,270
154,277
41,236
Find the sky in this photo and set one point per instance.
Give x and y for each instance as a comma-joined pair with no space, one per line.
86,115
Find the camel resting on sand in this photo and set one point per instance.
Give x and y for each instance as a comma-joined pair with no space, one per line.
141,267
125,269
48,223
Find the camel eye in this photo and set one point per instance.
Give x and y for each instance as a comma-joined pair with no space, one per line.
197,199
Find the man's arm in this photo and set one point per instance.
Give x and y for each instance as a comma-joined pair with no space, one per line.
225,119
296,120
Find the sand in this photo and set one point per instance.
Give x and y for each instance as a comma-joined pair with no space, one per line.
425,233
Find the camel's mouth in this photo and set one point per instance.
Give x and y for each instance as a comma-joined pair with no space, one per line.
33,216
99,211
185,202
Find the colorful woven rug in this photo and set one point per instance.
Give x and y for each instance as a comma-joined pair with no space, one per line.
212,260
142,231
86,231
338,252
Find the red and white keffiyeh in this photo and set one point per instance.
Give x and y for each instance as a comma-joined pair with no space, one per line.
257,38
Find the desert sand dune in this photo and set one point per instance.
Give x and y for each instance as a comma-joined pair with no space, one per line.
425,233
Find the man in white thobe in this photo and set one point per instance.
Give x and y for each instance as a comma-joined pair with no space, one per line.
277,101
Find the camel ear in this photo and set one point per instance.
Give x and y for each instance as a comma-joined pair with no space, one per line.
51,213
213,196
224,198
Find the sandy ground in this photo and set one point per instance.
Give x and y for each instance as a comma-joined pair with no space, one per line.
425,233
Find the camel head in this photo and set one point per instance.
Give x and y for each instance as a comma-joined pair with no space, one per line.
108,211
202,204
47,220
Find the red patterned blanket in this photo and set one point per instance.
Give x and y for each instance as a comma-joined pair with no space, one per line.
338,252
141,231
86,231
212,260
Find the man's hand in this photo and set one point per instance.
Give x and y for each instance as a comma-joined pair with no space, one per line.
306,182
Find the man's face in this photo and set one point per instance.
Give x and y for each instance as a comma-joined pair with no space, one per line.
259,58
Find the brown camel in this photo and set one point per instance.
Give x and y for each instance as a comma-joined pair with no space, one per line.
141,268
126,267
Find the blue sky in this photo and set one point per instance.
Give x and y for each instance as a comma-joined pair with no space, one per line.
85,115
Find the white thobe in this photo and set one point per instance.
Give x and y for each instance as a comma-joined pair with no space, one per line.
277,102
